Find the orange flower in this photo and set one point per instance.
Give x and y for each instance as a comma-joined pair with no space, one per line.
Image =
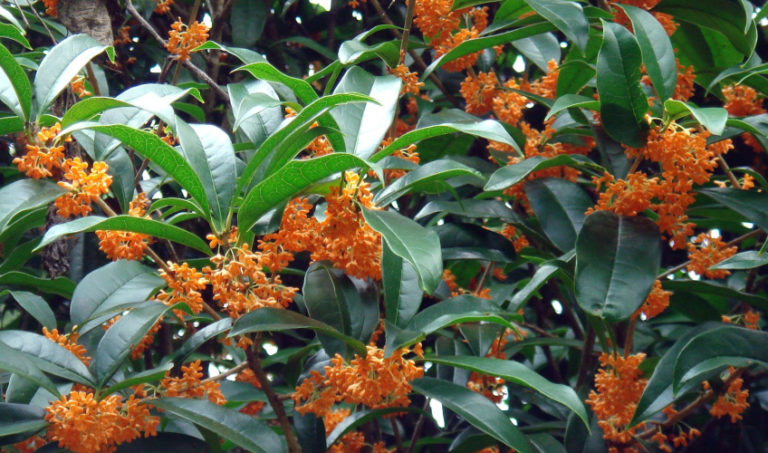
183,39
733,402
83,187
408,154
145,342
78,87
191,385
254,407
547,85
373,380
751,318
186,283
69,342
446,45
352,442
684,87
508,105
50,7
618,387
656,302
479,92
163,6
42,158
30,445
705,251
83,425
519,241
410,80
742,100
435,19
126,245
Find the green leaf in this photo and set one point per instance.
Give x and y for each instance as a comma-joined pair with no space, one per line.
478,44
164,442
494,209
276,319
326,298
574,75
247,20
10,124
289,181
751,204
112,285
656,49
365,124
146,376
243,430
221,168
540,277
717,348
20,100
25,195
437,170
61,65
712,118
47,355
37,307
519,374
488,129
744,260
200,337
617,259
158,152
20,419
465,241
412,242
18,363
622,101
726,17
479,411
569,101
567,16
540,49
560,206
116,344
126,223
400,284
265,71
59,285
354,51
510,175
87,108
244,55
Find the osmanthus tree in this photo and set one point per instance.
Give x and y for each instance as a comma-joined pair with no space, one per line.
419,226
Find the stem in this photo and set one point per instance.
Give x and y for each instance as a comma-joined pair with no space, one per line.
484,277
254,362
398,440
586,357
629,336
407,31
92,79
727,170
418,427
228,373
193,12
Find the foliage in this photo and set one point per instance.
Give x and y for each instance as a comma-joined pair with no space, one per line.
424,226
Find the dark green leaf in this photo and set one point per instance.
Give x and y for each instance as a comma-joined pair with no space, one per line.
622,101
37,307
744,260
751,204
247,20
18,363
355,52
59,285
126,223
617,259
201,336
147,376
494,209
569,101
400,283
437,170
165,442
19,99
243,430
560,206
24,195
712,118
20,419
412,242
326,295
726,17
510,175
656,48
221,168
265,71
479,411
47,355
567,16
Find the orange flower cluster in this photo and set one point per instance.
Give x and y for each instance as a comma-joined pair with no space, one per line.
83,425
83,186
656,302
343,237
450,280
374,380
191,385
185,283
68,342
352,442
479,92
408,154
733,402
686,160
410,80
254,407
665,20
163,6
684,86
184,39
78,87
50,7
519,241
618,387
742,100
492,387
126,245
30,445
440,26
241,286
43,159
704,251
145,342
678,440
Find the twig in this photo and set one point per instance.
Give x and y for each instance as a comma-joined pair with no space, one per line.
187,63
586,357
629,337
228,373
50,33
418,427
727,170
407,31
484,277
92,79
254,362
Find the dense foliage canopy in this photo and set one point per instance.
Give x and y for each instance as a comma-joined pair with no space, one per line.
406,226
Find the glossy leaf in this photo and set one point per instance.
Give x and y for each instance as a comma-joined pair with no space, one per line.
221,165
617,259
560,206
656,49
37,307
20,419
126,223
61,65
510,175
289,181
112,285
59,285
569,101
726,17
19,97
751,204
265,71
24,195
437,170
400,284
519,374
743,260
201,336
47,355
412,242
327,298
365,124
479,411
712,118
622,101
567,16
243,430
20,364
